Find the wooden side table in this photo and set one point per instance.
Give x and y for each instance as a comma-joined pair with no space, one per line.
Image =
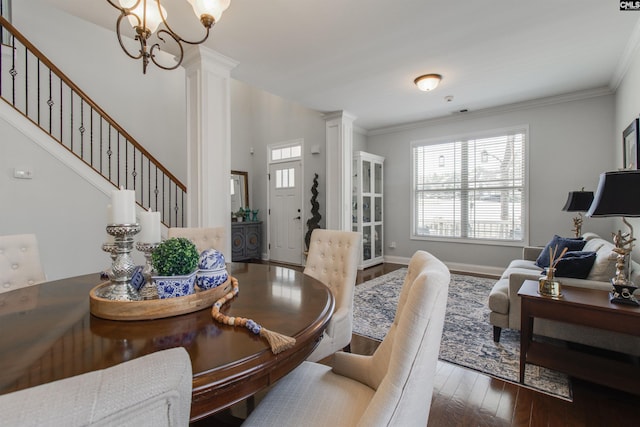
580,306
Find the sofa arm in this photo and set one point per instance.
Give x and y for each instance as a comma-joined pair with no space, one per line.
531,253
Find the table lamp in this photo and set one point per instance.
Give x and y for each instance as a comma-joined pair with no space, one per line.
578,201
617,195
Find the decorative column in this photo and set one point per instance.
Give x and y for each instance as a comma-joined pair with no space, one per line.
208,139
339,135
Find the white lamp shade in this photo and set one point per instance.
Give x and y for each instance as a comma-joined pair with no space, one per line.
210,7
154,19
428,82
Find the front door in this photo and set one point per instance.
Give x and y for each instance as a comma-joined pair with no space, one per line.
285,218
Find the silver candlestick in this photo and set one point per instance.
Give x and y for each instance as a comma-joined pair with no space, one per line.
111,248
122,266
148,291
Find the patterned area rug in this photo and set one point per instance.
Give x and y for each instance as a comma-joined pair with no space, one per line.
467,339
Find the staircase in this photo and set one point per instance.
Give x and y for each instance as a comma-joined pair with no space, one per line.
37,89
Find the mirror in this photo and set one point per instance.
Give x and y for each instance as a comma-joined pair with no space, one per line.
239,190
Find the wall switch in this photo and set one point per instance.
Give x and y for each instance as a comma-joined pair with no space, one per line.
392,245
22,173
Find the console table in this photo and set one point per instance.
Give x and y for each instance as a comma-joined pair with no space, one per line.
580,306
246,240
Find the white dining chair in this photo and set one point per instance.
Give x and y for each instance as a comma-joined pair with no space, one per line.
333,260
204,238
19,262
392,387
152,390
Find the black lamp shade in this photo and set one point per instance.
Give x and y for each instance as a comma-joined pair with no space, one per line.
618,194
578,201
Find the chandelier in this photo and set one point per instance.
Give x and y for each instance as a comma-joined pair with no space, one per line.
145,16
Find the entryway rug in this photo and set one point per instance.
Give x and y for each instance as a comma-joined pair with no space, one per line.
467,339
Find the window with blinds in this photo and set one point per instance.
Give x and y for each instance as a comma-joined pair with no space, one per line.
471,188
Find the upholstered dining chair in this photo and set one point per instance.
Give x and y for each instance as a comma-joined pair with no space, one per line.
333,260
392,387
19,262
203,238
152,390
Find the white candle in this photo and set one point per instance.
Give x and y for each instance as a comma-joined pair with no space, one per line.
110,238
123,206
149,227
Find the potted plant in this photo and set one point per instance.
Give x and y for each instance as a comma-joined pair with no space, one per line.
175,262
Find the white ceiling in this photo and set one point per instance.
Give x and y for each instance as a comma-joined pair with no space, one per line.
361,56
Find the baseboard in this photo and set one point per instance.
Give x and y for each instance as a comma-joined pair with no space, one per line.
454,266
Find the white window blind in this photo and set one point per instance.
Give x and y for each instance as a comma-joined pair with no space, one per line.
470,188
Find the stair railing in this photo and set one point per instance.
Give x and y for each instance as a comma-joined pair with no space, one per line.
42,93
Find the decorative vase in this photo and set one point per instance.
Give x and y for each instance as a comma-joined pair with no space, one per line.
175,286
548,286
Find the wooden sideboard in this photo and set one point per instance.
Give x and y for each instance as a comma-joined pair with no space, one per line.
246,240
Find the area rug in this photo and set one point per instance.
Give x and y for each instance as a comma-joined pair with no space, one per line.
467,339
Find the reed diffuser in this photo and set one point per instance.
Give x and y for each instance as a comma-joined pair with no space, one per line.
547,284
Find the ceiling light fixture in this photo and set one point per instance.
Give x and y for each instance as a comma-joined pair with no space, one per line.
428,82
145,16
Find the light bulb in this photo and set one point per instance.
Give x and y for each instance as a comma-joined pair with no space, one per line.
154,19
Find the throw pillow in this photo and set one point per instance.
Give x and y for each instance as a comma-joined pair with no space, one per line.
571,243
604,268
576,264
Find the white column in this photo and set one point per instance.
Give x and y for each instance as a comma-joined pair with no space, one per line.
208,139
339,135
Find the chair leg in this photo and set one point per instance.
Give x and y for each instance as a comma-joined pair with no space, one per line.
496,333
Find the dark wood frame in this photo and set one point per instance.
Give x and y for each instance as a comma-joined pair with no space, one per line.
246,185
630,144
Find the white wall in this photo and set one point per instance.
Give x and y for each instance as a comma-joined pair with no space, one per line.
569,144
627,108
259,119
65,212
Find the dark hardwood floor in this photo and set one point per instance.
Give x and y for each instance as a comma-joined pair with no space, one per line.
463,397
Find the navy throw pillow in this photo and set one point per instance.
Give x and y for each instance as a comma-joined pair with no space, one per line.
571,243
575,264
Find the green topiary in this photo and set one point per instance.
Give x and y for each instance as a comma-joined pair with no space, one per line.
177,256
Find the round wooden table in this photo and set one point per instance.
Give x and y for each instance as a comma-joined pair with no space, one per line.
48,334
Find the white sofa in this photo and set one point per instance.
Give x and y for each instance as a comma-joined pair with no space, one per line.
504,301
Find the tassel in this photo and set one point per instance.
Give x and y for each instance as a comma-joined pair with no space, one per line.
277,342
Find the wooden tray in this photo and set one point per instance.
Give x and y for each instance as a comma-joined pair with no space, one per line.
155,308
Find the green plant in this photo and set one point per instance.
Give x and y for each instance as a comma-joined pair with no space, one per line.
177,256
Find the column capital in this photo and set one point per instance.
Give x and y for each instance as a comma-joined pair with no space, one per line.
341,114
201,56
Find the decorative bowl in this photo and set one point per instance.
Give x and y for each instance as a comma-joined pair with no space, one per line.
175,286
208,279
211,259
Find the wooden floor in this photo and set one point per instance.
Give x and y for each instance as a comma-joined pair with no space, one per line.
463,397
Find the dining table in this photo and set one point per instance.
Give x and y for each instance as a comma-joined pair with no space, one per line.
48,333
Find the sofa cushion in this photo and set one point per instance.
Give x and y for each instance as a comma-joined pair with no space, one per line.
571,243
604,268
576,264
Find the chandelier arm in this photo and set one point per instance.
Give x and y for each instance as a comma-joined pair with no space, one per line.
157,46
139,38
175,35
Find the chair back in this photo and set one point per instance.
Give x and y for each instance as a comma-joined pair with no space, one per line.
19,262
404,364
152,390
203,238
333,260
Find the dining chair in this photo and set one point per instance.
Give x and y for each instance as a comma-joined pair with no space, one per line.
203,238
19,262
333,260
392,387
152,390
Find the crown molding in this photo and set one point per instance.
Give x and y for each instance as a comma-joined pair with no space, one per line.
524,105
628,56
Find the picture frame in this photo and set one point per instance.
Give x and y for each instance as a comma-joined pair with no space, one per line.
630,139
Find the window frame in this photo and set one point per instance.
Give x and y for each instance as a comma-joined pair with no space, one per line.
471,136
